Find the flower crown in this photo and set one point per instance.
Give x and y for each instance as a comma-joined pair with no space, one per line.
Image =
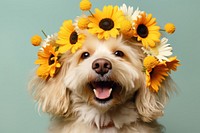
112,21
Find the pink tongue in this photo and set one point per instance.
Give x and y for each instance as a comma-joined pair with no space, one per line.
102,93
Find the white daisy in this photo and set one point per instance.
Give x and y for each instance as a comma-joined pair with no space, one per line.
135,14
161,51
129,12
51,39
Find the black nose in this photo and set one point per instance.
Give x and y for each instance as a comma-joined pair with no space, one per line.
101,66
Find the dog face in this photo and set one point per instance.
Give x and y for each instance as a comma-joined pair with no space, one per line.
105,73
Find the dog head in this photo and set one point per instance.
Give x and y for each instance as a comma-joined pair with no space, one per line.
121,59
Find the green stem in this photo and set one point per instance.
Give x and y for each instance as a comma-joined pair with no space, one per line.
44,33
91,13
162,30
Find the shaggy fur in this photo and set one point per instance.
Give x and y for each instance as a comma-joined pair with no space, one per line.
69,97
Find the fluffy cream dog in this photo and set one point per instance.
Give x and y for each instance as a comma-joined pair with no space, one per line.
101,89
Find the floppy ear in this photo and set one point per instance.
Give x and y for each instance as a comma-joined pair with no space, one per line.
150,105
52,95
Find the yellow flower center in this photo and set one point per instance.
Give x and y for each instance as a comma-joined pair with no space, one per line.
106,24
51,59
73,37
150,62
36,40
170,28
85,5
142,31
83,23
155,51
125,26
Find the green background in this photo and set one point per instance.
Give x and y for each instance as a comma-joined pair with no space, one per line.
20,19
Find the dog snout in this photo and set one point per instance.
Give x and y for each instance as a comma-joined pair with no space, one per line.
101,66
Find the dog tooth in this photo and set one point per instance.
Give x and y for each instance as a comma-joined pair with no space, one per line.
110,90
95,91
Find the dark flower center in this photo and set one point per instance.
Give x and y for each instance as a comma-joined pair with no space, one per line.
152,73
106,24
142,31
73,38
51,61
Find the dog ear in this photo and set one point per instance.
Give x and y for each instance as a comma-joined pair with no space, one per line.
150,105
52,95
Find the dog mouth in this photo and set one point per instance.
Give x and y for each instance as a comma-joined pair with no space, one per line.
103,90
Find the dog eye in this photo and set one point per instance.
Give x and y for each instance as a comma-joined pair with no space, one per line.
119,53
85,55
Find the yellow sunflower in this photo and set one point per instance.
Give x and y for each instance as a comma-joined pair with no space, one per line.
146,30
106,23
68,38
48,61
155,71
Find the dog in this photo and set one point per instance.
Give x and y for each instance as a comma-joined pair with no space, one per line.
102,89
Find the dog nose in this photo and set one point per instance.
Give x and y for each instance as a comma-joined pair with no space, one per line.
101,66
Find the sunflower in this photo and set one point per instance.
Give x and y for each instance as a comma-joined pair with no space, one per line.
68,38
106,23
156,72
161,51
146,30
48,61
155,77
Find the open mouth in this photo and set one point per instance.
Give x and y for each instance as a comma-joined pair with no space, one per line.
103,90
